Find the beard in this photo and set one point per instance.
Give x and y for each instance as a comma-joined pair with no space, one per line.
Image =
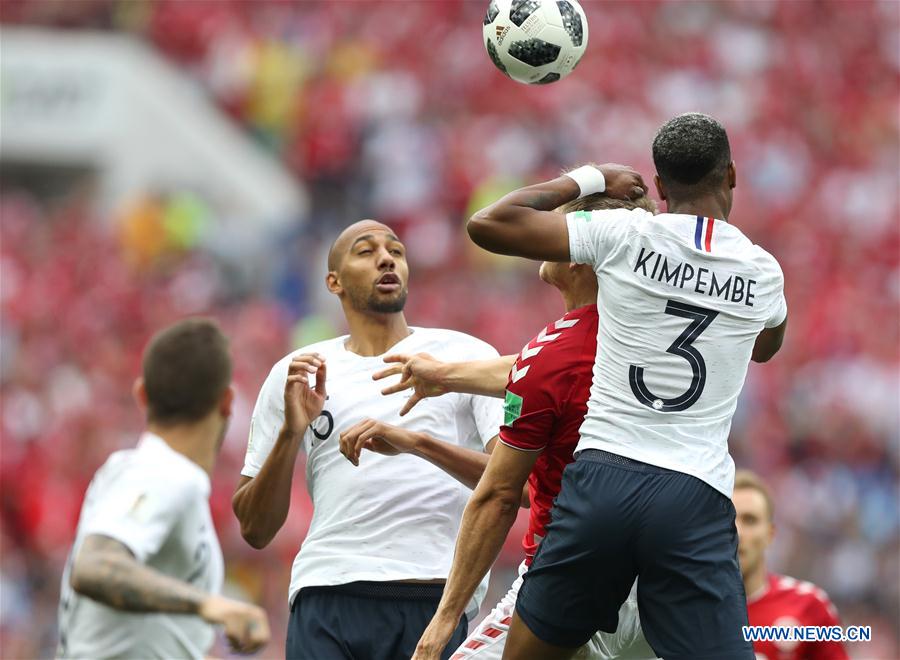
379,305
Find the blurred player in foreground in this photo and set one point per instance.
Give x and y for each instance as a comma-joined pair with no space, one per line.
372,568
777,600
145,569
546,388
687,301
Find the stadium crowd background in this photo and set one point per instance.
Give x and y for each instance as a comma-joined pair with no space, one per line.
392,110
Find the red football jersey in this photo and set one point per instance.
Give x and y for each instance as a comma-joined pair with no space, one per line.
785,601
546,401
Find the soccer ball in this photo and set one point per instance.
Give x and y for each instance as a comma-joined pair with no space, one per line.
535,41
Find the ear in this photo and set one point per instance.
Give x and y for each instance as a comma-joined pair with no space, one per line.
139,392
333,284
732,175
659,187
226,402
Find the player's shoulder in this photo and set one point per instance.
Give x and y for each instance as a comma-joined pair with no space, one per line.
572,328
153,466
563,345
801,590
738,244
765,261
155,458
452,341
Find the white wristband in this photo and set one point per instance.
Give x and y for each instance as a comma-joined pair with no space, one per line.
590,180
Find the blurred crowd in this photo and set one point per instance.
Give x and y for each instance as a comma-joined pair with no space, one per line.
392,110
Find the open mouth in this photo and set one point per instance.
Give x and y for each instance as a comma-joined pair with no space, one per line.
388,283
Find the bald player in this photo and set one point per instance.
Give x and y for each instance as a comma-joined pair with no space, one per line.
371,571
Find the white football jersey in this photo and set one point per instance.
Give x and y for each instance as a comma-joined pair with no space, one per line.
682,299
393,517
155,501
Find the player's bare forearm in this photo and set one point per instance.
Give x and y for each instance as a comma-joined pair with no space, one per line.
106,571
482,377
464,465
488,517
485,524
261,504
523,223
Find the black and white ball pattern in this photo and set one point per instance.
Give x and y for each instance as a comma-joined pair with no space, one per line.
535,41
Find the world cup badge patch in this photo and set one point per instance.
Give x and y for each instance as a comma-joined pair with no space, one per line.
512,408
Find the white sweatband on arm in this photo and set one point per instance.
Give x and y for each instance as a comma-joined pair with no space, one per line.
590,180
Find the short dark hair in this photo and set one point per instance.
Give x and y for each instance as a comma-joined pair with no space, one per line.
691,150
186,370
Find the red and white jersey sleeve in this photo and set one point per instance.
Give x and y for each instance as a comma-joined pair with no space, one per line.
549,369
789,602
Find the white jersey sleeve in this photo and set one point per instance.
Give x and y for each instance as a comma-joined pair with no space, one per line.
140,510
593,235
267,419
778,309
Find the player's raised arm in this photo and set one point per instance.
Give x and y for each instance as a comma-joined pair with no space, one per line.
428,377
261,502
524,224
106,571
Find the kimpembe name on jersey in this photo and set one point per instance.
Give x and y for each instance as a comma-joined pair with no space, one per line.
681,274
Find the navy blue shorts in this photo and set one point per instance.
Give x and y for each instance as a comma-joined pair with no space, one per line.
364,621
616,519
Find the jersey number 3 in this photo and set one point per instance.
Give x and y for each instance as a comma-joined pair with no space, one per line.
700,319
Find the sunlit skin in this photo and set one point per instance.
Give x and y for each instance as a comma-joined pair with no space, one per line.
755,533
367,271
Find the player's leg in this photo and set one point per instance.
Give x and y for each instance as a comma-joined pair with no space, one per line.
690,593
627,643
386,620
314,627
364,620
584,567
522,644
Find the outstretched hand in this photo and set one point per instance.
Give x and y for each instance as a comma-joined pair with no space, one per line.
420,372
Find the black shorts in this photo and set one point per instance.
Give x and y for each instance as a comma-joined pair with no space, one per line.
616,519
364,621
